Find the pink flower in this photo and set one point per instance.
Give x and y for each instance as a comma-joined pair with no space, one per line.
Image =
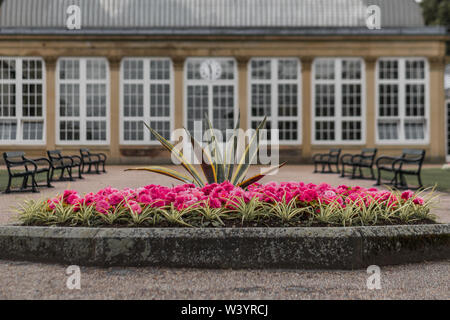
102,206
135,207
418,201
407,195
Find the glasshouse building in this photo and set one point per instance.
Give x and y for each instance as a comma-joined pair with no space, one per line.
321,73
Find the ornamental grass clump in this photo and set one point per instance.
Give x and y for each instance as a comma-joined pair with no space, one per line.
227,205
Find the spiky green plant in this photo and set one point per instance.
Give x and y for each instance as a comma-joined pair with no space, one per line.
216,167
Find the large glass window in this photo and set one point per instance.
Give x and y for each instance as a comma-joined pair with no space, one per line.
338,95
275,93
211,90
22,100
83,101
147,85
402,108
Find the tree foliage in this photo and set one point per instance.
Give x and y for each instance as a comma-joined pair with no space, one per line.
436,12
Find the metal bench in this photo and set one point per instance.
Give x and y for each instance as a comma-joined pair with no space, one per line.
92,159
326,160
29,168
365,159
409,163
63,163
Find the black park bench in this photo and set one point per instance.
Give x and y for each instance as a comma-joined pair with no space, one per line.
327,160
18,166
365,159
92,160
63,163
409,163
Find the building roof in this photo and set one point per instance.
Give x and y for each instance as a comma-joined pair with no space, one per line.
37,16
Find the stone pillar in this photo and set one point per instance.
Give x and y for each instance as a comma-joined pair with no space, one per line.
50,108
306,63
371,112
437,109
243,90
114,130
178,66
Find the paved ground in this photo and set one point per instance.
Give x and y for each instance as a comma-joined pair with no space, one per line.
23,280
38,281
117,178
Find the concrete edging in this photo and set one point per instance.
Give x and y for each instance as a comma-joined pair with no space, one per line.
303,248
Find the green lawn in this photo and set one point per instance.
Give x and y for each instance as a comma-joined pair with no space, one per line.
17,182
430,177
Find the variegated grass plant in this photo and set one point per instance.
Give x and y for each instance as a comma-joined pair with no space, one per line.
237,213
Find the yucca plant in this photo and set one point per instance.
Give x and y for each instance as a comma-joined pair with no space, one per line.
216,167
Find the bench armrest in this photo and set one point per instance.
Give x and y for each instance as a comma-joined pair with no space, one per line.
318,156
102,155
387,159
347,156
37,160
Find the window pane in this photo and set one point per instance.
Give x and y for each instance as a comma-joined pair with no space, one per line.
96,69
415,100
287,100
325,103
8,129
261,69
388,69
223,108
388,100
7,100
32,100
69,100
415,69
160,69
69,130
261,100
33,130
415,130
69,69
351,100
287,69
351,130
162,127
133,100
96,100
133,69
388,130
325,130
133,131
324,69
159,100
288,130
31,69
351,69
7,69
96,130
197,104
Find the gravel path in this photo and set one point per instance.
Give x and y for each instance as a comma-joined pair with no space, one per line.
20,280
23,280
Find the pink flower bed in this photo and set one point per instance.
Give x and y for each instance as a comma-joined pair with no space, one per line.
226,195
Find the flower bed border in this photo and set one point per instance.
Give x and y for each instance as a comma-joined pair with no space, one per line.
300,248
